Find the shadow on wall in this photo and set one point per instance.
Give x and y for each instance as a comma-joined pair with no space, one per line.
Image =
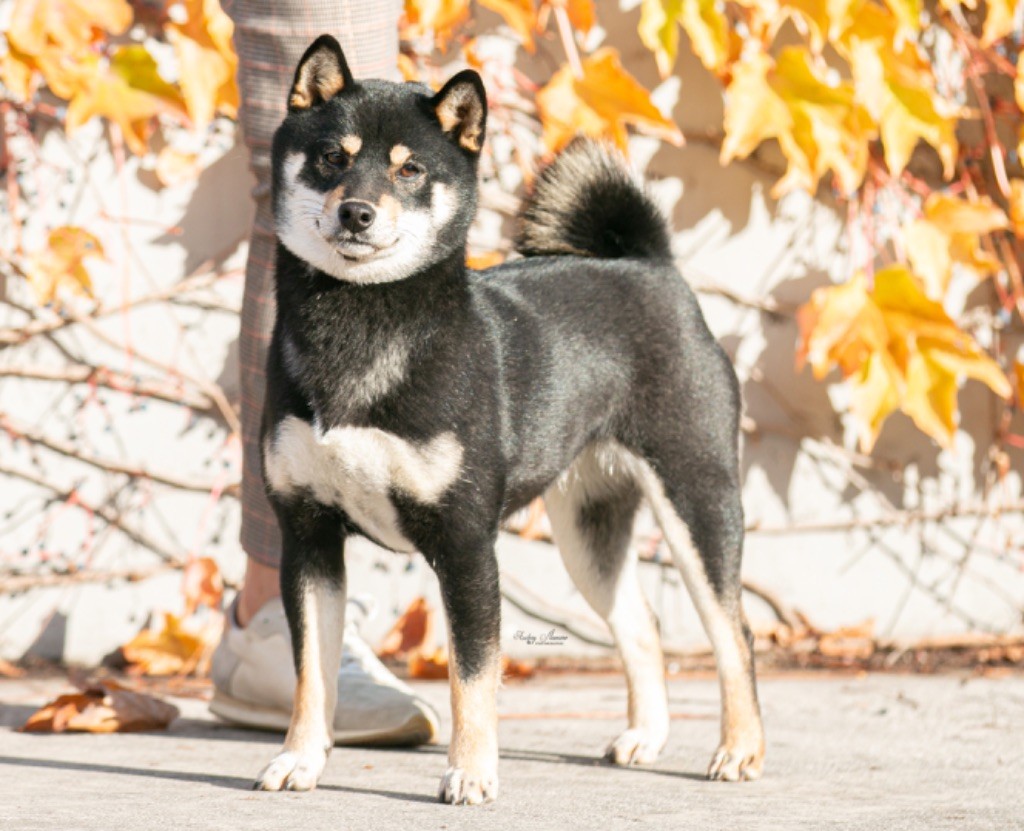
219,214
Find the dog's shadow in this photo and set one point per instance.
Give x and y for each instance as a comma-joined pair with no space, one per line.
245,783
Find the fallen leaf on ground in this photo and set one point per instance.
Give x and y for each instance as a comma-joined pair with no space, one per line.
102,707
428,667
173,650
411,632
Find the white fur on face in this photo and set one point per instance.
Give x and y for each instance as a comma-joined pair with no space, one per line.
308,226
357,468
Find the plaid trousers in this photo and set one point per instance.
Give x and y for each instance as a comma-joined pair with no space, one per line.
270,37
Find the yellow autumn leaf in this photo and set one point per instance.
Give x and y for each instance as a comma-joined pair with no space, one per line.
753,111
520,15
1016,203
840,325
16,71
930,398
875,393
906,12
127,91
1018,82
895,84
819,125
206,60
830,131
71,25
703,22
600,104
998,21
172,650
659,31
61,265
896,349
949,234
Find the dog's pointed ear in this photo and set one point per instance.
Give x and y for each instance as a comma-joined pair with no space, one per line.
461,108
322,74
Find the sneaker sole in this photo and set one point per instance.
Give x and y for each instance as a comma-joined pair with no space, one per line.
419,729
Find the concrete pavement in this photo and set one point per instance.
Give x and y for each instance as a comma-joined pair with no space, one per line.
879,752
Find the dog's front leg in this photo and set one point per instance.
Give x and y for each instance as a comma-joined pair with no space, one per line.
313,591
469,586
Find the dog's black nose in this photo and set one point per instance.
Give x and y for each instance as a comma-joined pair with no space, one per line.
356,216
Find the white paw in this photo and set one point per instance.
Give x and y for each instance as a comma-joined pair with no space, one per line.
462,787
292,770
737,763
636,746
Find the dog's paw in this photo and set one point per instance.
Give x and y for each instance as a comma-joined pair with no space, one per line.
462,787
292,770
636,746
738,763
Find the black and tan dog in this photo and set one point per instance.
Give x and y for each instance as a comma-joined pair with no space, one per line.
417,403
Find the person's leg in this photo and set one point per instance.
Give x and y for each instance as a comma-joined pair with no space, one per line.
252,668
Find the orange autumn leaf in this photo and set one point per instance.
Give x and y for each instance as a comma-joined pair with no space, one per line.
411,632
439,18
435,666
428,667
172,650
520,15
102,707
600,104
202,584
1018,375
201,36
61,265
582,14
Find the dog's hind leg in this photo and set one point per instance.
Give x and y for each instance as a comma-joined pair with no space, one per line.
702,519
592,508
313,592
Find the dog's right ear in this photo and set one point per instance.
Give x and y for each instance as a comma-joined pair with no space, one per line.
321,75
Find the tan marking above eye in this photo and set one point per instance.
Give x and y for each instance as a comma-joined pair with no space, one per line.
351,144
400,154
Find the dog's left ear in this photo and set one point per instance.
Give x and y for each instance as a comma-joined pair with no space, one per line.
461,108
322,74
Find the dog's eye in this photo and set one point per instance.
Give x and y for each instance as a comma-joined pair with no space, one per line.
334,158
410,170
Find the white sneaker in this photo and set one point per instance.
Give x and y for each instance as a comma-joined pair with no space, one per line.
254,683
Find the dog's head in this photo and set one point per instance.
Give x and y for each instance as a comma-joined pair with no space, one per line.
375,181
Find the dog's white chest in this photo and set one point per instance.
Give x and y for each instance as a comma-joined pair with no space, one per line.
358,469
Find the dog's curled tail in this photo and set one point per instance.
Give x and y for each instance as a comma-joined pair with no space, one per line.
585,202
